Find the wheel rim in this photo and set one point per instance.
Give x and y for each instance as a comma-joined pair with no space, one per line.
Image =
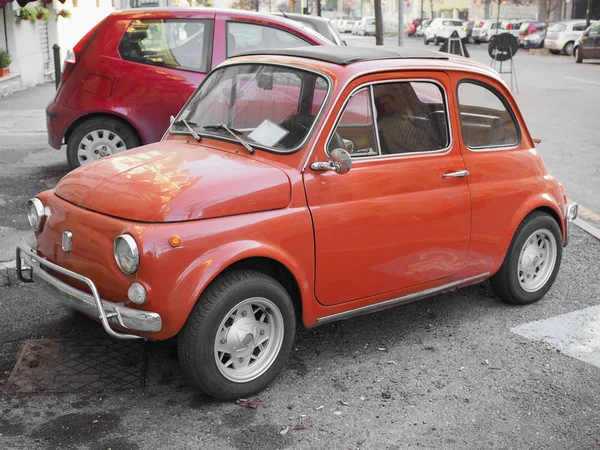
97,144
569,49
537,260
248,340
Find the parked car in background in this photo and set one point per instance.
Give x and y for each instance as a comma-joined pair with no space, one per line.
562,36
484,30
366,27
135,68
411,29
355,27
349,25
528,28
468,26
511,26
534,40
232,229
321,25
421,28
440,29
587,46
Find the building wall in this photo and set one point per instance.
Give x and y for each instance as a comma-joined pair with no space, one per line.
24,47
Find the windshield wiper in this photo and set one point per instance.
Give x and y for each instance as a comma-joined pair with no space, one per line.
232,131
189,127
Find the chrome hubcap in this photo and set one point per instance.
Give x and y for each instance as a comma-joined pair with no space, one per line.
98,144
537,260
248,340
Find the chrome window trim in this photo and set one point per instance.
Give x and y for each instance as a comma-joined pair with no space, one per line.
370,85
509,110
254,145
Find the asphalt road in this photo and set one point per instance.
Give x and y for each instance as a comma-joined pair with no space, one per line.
444,373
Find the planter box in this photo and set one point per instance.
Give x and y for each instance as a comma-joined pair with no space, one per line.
4,72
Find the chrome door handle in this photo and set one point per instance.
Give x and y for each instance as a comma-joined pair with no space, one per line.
460,173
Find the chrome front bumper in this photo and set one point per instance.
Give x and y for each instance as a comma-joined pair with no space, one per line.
571,212
29,268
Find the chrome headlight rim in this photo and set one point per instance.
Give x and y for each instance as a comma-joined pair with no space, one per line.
133,247
38,208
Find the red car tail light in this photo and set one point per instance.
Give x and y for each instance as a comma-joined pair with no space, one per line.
73,56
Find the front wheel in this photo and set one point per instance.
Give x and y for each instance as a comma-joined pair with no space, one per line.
578,56
532,261
238,336
568,48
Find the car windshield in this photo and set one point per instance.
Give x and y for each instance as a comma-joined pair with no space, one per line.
452,23
271,107
524,26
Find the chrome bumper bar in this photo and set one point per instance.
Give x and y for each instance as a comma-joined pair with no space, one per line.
29,268
572,210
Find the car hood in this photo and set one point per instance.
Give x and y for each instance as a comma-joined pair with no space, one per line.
171,182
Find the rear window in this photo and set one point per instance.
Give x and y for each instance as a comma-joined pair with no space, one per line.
452,23
558,27
175,43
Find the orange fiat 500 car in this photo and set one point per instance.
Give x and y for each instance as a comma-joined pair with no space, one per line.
310,184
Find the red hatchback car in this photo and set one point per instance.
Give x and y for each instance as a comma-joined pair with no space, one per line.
134,69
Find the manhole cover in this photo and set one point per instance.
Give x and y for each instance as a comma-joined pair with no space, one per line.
56,365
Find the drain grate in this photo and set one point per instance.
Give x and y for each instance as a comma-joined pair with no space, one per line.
58,365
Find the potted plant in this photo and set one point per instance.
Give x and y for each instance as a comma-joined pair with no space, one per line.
42,13
4,63
64,13
26,13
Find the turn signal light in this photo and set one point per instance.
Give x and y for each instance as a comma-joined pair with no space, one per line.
175,241
564,191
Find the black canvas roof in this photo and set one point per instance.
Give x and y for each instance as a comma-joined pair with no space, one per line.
344,55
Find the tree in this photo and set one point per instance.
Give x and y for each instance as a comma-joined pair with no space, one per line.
378,23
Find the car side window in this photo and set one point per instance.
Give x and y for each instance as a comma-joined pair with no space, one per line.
485,118
411,117
174,43
579,27
242,36
355,130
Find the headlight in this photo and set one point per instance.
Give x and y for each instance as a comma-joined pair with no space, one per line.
127,254
35,214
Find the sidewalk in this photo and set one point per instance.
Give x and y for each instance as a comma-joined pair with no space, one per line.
23,143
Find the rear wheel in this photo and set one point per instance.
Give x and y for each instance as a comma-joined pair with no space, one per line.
99,137
578,55
238,336
532,261
425,40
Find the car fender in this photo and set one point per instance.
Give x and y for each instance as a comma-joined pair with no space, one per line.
541,200
87,115
206,268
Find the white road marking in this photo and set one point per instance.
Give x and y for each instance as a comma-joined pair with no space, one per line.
582,80
585,226
576,334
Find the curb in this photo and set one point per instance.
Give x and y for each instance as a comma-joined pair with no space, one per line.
8,273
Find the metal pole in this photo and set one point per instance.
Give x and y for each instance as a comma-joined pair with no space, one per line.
318,4
587,13
497,21
400,22
378,23
57,74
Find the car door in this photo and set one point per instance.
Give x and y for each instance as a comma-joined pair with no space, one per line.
594,36
159,64
401,216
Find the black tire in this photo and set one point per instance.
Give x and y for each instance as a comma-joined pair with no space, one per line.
568,48
127,136
554,52
505,282
196,342
425,40
578,56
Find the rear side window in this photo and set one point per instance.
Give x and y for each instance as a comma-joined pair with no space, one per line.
249,36
175,43
485,118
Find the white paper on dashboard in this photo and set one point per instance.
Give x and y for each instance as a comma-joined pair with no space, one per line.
268,133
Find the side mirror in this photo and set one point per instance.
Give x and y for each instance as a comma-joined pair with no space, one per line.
339,161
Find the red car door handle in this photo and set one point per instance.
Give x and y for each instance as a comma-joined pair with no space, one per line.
460,173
